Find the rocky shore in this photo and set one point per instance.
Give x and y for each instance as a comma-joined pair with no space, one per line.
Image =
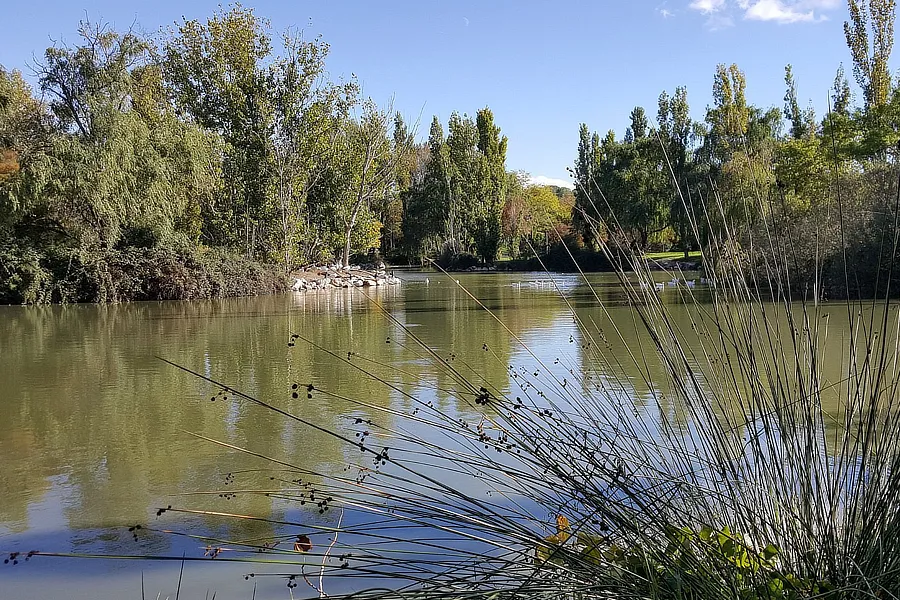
336,276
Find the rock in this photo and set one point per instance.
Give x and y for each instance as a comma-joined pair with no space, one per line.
338,276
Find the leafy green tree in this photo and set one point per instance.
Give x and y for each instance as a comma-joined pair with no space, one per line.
630,189
797,117
638,126
391,210
215,75
746,181
676,130
803,172
462,171
491,186
841,96
534,215
546,212
513,219
359,175
584,208
117,170
426,203
870,38
729,117
307,111
26,136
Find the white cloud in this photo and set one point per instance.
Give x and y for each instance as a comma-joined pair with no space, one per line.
720,13
542,180
778,11
820,4
663,11
707,6
716,12
719,21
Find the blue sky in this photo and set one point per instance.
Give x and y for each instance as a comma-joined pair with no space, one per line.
542,67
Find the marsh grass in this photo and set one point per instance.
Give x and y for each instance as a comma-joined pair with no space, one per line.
755,477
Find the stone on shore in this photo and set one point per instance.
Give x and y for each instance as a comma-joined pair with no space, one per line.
338,276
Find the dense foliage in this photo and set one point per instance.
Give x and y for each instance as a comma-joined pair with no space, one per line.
207,137
824,185
206,141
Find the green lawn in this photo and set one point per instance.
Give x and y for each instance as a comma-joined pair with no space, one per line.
694,255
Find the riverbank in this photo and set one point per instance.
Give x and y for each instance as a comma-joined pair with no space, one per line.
132,274
61,276
593,262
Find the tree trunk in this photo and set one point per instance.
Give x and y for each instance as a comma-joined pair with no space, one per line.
346,259
348,234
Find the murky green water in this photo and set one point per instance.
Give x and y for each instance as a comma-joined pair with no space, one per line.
96,429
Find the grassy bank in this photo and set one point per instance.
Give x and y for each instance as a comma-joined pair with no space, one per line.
30,276
572,260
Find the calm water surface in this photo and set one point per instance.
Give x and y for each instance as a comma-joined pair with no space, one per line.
95,429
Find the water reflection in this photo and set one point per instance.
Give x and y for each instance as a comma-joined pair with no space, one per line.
94,426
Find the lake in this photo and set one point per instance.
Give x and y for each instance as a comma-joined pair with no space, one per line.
97,431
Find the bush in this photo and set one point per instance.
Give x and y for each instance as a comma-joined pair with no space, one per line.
457,262
131,274
23,277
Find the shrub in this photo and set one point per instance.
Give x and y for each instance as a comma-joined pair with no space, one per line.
23,278
131,274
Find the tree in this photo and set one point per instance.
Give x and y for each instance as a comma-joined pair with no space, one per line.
215,74
359,174
545,212
514,218
391,211
873,18
26,137
583,210
307,111
792,111
729,116
491,186
803,173
746,180
119,169
426,204
638,123
462,172
840,94
675,133
99,72
629,187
